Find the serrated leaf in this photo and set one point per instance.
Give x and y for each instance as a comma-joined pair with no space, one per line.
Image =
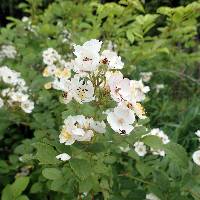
52,173
153,141
143,169
177,154
45,153
130,36
81,168
86,185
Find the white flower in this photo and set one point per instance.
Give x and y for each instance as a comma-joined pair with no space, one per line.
62,84
159,87
139,110
9,76
83,91
66,137
121,119
146,76
151,196
111,59
50,70
197,133
8,51
27,106
50,56
140,148
196,157
25,19
1,102
63,156
5,92
17,89
99,127
119,86
87,56
18,96
138,91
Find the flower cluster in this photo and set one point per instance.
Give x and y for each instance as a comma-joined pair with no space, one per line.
141,148
7,51
94,76
196,154
16,91
80,128
56,68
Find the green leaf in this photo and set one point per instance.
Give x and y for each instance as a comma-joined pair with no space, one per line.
19,185
7,193
45,153
162,179
81,168
86,185
153,141
130,36
52,173
143,169
137,133
57,184
36,187
22,197
177,154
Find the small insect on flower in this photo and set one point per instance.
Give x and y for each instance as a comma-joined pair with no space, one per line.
111,59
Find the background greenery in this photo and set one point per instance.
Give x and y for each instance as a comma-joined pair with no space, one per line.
149,37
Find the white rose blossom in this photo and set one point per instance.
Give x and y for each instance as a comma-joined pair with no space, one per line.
111,59
140,148
121,120
196,157
87,56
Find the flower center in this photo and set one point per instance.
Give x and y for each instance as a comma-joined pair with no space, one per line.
66,134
